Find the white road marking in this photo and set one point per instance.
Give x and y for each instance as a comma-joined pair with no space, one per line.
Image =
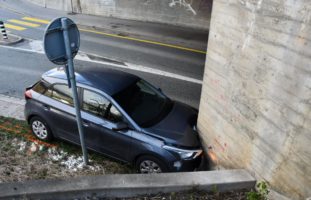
36,46
83,57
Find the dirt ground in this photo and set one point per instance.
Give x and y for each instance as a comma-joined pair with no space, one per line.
193,195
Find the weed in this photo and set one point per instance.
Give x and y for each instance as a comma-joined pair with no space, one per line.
42,173
261,192
173,195
214,189
215,192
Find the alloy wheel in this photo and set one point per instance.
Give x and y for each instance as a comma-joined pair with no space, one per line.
149,167
40,130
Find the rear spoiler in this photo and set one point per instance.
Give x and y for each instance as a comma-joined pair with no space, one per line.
31,86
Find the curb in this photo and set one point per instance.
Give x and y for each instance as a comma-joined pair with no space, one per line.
17,39
128,185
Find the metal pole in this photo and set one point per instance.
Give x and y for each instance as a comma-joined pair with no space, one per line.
2,28
74,87
71,7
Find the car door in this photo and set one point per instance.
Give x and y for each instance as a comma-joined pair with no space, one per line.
58,107
99,119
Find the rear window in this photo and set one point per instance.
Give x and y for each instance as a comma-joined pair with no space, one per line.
58,92
62,93
40,87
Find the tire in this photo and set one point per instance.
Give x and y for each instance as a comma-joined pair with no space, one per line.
150,165
41,129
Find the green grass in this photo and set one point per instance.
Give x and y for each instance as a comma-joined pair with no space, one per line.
11,128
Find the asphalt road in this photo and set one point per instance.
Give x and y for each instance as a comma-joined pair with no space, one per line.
182,62
19,69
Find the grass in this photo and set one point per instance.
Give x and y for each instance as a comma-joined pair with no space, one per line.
24,157
19,129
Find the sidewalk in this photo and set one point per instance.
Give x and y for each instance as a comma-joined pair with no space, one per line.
12,39
144,30
12,107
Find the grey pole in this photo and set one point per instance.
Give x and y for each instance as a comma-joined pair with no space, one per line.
71,7
74,87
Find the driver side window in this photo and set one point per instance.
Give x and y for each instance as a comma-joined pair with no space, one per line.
98,105
95,103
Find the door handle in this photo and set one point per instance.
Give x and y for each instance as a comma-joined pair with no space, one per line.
46,107
85,124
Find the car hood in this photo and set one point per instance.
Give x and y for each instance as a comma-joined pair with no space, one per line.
177,128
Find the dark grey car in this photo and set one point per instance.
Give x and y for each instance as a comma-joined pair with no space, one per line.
124,117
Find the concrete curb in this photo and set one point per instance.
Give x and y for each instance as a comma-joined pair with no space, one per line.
128,185
16,39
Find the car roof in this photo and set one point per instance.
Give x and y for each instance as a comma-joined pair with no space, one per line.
107,80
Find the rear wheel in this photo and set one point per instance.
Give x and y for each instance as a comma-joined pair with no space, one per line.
41,129
150,165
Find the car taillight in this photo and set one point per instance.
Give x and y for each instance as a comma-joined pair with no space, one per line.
28,94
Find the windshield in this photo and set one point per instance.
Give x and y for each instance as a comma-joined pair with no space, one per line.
145,104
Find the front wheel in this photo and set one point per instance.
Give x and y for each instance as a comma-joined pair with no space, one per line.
41,129
150,165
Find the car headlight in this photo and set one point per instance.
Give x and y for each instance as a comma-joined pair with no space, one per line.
183,153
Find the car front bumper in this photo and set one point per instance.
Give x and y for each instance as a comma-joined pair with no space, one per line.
187,165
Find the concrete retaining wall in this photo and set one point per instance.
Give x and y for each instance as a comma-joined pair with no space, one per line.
127,185
187,13
255,110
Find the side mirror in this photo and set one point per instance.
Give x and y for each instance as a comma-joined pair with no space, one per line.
160,90
121,126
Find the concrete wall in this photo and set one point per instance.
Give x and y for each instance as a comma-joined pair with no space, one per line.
255,110
188,13
55,4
